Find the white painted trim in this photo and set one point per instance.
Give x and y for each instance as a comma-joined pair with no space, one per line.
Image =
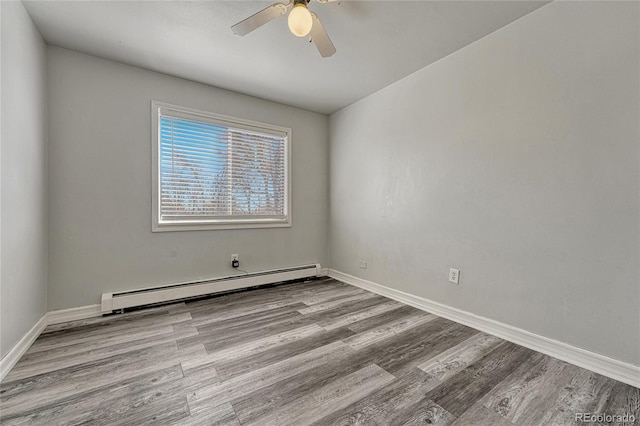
324,272
601,364
60,316
14,355
52,317
73,314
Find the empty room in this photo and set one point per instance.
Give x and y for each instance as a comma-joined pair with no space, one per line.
320,212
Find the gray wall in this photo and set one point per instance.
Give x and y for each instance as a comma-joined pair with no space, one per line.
100,184
514,160
23,166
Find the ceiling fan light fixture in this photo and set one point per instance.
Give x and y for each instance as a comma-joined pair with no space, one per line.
300,21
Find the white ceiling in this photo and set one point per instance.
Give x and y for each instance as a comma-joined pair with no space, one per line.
378,42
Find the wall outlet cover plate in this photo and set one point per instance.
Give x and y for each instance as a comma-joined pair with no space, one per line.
454,276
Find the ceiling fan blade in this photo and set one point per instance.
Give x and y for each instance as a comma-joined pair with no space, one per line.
257,20
320,37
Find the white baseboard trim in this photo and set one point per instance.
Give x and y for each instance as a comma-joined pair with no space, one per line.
73,314
324,272
52,317
601,364
56,317
14,355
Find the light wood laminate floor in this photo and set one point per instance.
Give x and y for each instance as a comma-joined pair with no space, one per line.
319,352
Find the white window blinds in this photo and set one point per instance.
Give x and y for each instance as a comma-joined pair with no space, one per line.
213,170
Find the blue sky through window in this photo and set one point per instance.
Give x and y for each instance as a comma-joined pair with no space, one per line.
209,169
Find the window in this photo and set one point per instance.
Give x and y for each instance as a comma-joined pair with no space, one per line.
217,172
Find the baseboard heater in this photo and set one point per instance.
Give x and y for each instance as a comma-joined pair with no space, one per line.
153,295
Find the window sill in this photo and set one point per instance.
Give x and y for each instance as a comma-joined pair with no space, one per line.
173,227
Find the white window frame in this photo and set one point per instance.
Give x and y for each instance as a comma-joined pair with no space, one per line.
158,225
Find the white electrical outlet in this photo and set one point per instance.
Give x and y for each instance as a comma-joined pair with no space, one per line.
363,264
235,257
454,276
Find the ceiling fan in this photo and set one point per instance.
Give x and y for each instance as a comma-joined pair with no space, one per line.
301,21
